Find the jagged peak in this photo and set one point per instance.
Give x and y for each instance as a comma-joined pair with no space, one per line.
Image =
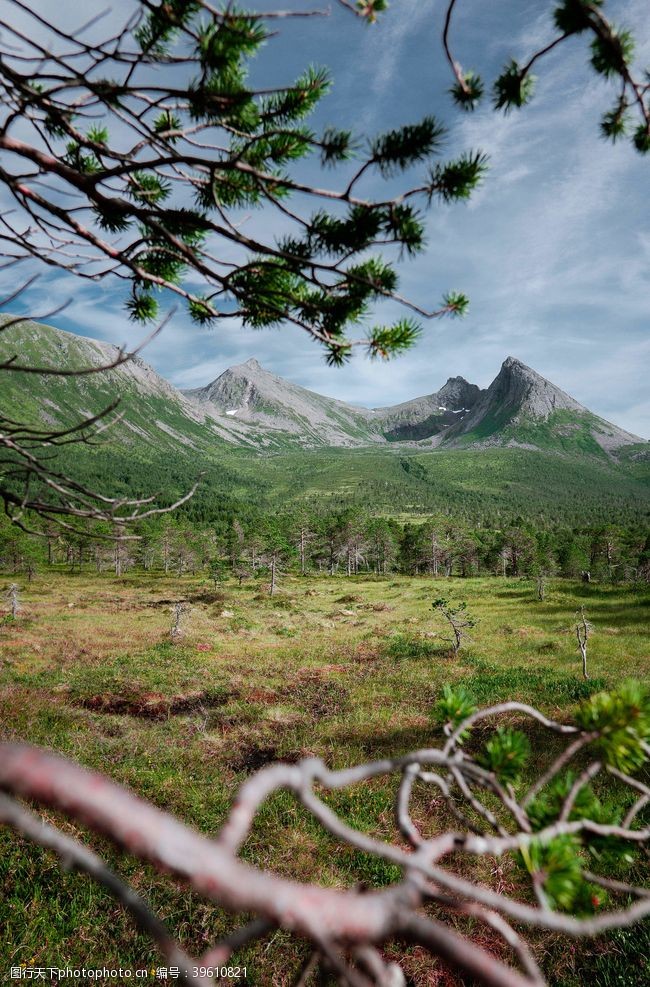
246,366
519,378
513,363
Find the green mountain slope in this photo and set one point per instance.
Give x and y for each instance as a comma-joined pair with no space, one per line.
153,412
484,485
517,458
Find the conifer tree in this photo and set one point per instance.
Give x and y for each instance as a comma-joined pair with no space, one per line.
132,156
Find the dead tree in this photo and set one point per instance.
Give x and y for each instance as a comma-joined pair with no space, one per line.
544,826
14,602
305,537
272,560
121,558
583,629
459,620
273,567
179,611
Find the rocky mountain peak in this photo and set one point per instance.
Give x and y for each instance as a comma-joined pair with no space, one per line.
458,394
523,390
511,362
517,394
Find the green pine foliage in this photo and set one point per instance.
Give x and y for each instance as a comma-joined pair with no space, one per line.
611,50
168,202
505,754
513,88
572,16
622,720
468,94
557,868
612,55
455,705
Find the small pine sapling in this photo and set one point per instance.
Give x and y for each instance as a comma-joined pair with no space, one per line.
459,620
14,603
241,572
217,573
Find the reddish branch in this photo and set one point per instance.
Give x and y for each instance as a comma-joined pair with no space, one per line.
344,926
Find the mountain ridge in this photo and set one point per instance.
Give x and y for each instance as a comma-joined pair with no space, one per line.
249,393
458,414
251,407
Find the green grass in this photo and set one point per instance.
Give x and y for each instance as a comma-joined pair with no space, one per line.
344,669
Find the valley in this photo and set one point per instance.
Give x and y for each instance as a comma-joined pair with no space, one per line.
300,690
518,446
291,609
287,610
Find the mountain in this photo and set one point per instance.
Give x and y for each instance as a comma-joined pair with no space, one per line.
248,393
431,415
522,408
519,408
249,407
521,445
153,412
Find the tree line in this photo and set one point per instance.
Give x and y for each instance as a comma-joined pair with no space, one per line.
348,542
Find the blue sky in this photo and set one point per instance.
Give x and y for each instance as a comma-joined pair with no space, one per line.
553,251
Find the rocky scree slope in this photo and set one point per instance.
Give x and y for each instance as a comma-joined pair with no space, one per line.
248,393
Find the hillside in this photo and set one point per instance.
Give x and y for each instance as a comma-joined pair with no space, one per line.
154,414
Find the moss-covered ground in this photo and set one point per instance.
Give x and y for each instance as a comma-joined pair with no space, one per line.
345,669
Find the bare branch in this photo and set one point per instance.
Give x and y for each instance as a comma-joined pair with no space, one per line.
343,926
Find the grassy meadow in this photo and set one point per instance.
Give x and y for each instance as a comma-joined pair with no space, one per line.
347,669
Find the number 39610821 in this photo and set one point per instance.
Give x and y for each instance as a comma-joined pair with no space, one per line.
230,972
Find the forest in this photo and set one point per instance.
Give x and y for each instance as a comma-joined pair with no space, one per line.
349,542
